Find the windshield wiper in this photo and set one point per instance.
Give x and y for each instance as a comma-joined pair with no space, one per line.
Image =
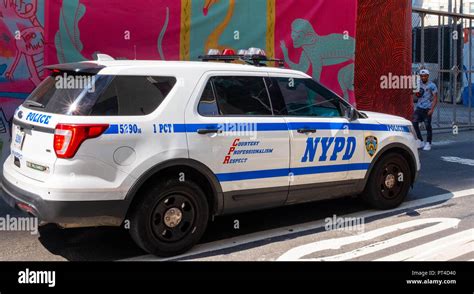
34,104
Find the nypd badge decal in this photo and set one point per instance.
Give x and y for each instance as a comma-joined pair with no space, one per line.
371,144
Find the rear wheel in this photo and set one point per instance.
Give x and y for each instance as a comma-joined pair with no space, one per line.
389,182
169,218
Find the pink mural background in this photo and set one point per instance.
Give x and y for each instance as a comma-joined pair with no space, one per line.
326,18
57,31
123,29
21,51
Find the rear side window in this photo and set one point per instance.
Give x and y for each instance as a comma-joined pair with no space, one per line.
102,95
235,95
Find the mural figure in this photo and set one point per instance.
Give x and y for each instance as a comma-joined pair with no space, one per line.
320,51
68,39
212,41
162,34
28,33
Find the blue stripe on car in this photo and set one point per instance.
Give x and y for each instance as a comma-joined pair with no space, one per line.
283,172
266,127
192,128
113,129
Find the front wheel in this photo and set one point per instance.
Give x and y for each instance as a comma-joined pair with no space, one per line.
169,218
388,182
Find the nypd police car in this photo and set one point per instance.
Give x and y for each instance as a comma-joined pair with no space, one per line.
165,146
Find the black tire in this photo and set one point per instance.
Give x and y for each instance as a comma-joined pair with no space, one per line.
147,218
385,189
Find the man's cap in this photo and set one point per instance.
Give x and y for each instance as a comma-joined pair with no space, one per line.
424,72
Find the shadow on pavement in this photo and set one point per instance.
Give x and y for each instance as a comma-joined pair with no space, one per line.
108,243
88,244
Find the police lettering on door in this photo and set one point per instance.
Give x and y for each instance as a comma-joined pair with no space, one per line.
342,148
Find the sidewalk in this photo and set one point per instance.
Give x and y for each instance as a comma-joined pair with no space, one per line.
447,136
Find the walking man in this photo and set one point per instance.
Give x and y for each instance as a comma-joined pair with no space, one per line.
425,106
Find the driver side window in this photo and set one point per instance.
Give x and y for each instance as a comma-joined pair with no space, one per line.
305,97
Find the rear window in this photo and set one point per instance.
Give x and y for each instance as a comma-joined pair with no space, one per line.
101,95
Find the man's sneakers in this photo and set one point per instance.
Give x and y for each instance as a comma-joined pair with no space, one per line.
427,146
420,143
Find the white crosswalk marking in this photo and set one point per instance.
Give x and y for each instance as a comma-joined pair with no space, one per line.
465,161
274,233
301,251
443,249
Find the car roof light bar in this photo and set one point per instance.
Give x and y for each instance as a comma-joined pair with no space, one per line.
253,56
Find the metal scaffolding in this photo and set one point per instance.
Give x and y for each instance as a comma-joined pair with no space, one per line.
442,43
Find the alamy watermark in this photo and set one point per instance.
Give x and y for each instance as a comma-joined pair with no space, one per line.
336,223
238,129
37,277
392,81
66,81
12,224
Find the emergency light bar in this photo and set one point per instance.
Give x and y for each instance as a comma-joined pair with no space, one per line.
254,56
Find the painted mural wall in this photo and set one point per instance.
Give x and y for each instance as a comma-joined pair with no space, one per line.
383,47
317,37
21,50
21,58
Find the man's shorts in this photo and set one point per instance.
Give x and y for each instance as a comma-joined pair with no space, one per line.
421,115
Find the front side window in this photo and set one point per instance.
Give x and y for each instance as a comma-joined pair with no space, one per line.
235,95
305,97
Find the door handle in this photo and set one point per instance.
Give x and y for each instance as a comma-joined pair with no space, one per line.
208,131
304,131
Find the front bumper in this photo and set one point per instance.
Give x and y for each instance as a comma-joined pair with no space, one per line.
65,213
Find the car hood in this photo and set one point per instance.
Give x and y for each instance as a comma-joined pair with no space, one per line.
385,118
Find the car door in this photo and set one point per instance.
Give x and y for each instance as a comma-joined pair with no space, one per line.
230,128
322,146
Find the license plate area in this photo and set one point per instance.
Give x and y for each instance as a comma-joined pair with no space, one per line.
18,138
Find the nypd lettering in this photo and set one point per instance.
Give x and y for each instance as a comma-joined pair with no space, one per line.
38,118
329,148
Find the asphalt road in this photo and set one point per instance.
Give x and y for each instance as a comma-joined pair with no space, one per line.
435,223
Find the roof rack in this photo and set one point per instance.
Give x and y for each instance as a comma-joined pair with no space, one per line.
253,56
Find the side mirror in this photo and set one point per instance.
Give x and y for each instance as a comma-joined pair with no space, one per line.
351,114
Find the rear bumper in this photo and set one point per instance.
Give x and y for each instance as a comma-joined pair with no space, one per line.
65,213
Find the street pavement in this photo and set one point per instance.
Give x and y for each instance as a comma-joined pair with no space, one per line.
435,223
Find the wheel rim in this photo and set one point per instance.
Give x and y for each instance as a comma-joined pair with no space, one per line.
173,218
389,184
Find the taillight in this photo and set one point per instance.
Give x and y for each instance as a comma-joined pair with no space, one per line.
69,137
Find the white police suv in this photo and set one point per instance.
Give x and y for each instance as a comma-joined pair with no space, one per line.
166,146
